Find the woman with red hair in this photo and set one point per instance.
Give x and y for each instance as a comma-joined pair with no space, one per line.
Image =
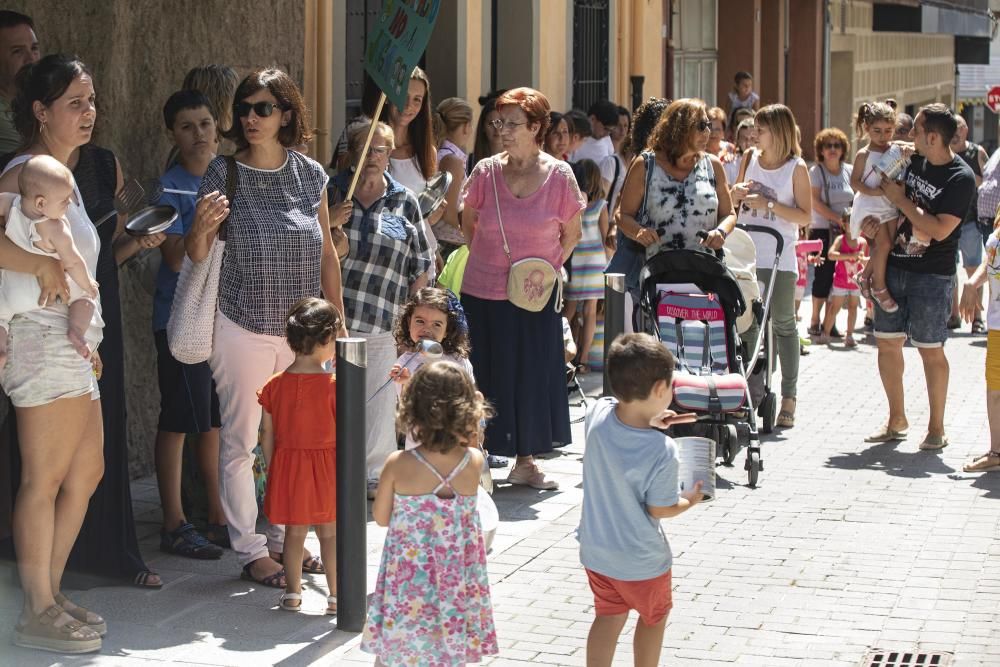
518,354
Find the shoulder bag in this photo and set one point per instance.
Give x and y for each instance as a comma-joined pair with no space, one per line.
192,314
532,279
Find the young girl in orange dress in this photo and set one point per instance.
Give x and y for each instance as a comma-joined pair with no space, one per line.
299,443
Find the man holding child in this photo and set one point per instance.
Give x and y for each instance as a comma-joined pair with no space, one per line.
932,201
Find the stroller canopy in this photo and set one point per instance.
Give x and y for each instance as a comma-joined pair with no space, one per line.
703,269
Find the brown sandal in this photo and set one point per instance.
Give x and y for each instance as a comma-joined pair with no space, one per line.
42,633
83,614
786,418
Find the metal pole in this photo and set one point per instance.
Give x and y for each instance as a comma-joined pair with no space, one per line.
352,502
614,316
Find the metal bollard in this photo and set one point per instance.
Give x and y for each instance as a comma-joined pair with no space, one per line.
352,501
614,316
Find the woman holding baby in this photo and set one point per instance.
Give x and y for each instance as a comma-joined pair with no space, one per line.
53,387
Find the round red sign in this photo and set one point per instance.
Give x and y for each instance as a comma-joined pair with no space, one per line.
993,99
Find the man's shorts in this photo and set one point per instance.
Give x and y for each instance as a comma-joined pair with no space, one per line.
924,307
970,244
652,598
188,402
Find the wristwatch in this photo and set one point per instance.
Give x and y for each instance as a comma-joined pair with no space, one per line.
770,206
725,234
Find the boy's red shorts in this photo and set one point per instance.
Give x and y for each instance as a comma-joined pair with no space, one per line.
652,598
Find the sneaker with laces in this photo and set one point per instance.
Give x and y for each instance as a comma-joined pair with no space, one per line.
531,475
188,542
988,462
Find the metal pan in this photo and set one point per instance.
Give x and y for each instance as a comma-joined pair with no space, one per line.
151,220
434,192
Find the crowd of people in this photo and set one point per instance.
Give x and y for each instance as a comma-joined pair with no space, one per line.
505,274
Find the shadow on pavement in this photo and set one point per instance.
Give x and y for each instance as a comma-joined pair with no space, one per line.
885,457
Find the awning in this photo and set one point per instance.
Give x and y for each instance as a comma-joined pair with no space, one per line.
975,80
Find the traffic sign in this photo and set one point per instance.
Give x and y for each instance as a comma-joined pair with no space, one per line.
993,99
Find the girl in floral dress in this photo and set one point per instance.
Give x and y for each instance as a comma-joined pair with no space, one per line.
431,605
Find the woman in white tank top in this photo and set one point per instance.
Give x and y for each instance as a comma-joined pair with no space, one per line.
774,191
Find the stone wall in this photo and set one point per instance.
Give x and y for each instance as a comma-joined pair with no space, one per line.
139,51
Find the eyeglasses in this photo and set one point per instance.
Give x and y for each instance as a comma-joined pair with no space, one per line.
378,150
498,124
262,109
703,125
829,146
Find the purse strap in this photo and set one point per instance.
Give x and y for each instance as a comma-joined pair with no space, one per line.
496,198
232,176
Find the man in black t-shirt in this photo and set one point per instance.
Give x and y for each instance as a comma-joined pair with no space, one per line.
921,267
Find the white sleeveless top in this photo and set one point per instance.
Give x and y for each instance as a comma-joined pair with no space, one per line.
776,185
407,173
87,242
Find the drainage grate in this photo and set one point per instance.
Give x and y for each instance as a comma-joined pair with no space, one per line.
882,658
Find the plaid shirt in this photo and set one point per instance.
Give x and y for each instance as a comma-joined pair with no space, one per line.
388,252
989,192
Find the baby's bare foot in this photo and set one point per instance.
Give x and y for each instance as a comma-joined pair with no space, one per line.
79,343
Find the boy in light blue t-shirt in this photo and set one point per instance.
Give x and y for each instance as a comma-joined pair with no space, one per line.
629,484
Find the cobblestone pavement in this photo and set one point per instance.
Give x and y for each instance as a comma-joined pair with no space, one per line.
842,547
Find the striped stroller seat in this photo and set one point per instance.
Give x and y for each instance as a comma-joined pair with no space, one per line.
693,327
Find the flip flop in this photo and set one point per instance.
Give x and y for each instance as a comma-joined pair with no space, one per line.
271,581
886,434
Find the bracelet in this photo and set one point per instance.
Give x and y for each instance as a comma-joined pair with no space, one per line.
725,234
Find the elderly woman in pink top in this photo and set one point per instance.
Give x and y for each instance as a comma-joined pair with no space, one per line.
518,355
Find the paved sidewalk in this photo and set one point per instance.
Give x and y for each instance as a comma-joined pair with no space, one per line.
844,546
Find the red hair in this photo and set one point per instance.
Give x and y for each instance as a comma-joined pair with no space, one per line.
533,103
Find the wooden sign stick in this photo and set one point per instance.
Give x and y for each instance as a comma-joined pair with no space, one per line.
368,143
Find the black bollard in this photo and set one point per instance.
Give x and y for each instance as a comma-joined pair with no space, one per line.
614,316
352,501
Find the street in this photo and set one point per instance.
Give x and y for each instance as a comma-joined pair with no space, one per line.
843,547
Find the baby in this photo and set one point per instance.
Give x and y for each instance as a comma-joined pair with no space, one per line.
36,222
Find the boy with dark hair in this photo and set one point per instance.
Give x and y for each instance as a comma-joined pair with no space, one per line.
602,116
629,484
188,403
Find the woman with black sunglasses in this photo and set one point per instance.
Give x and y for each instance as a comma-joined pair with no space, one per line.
278,250
687,188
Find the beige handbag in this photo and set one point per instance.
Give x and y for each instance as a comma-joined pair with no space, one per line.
192,314
532,279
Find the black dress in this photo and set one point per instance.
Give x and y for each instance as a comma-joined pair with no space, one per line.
107,544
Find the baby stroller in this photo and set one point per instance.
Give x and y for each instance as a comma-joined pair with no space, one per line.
699,307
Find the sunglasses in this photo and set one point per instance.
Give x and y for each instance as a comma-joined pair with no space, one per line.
262,109
703,125
828,146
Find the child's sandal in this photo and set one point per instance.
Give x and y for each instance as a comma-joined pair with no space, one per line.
885,300
864,284
287,598
331,605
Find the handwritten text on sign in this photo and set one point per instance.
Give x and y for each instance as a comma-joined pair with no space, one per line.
404,27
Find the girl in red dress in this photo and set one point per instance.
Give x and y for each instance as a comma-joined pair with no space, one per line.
299,445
